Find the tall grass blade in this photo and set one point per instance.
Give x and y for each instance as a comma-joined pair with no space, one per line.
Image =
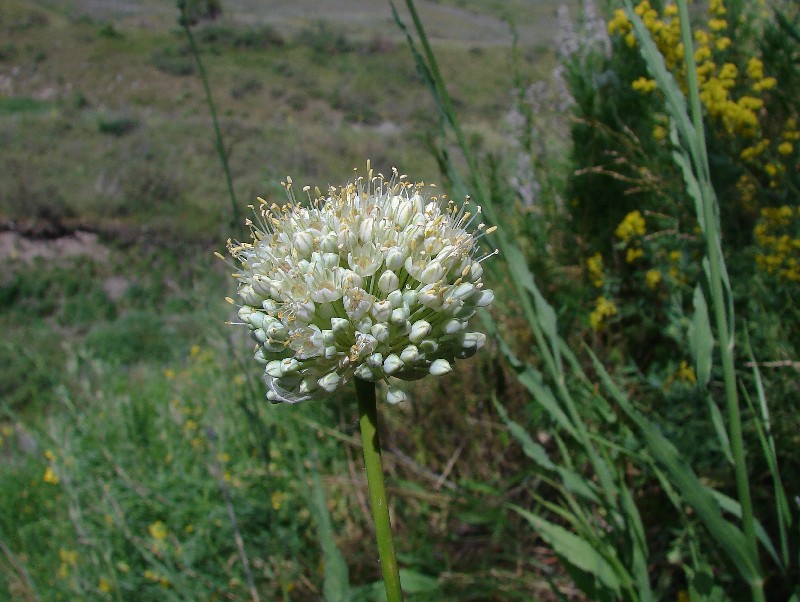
730,538
336,580
574,550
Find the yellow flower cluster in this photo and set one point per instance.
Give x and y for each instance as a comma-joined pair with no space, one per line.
652,278
780,250
738,116
603,309
69,559
595,266
632,226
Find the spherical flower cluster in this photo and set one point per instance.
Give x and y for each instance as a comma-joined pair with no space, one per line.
374,280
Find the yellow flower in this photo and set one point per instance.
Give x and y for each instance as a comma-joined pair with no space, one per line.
633,253
685,373
785,148
277,499
158,530
717,24
652,278
723,43
50,476
632,225
595,267
69,557
644,85
603,309
659,133
169,374
103,585
150,575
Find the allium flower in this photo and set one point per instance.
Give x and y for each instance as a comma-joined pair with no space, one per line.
374,280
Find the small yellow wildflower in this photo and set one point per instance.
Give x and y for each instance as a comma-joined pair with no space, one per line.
633,253
659,133
644,85
652,278
603,309
785,148
69,557
103,585
158,530
685,373
150,575
595,266
723,43
49,455
169,374
717,24
50,476
631,226
277,499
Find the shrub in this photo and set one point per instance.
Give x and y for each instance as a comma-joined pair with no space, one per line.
174,61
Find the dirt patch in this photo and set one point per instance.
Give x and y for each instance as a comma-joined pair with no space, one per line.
18,247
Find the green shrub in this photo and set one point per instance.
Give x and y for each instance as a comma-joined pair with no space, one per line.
172,61
117,125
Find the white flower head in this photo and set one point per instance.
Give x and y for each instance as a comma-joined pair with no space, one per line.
377,278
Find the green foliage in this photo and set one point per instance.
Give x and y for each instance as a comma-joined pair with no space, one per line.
218,37
21,104
173,61
117,125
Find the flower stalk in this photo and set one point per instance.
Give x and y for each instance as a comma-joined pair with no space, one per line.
370,440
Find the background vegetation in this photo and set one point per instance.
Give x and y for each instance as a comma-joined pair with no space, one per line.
139,458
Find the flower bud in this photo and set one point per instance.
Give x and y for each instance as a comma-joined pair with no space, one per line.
395,395
393,364
419,331
486,298
410,354
329,382
440,367
388,282
380,331
394,259
433,272
340,325
303,243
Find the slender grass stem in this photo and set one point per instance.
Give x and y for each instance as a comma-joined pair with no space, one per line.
368,420
723,315
212,109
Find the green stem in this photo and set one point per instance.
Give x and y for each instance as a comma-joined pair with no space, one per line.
723,316
368,419
212,109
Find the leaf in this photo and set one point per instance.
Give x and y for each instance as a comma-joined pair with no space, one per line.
701,340
573,549
570,479
719,427
729,537
336,581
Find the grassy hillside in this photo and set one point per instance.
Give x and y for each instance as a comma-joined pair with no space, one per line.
104,118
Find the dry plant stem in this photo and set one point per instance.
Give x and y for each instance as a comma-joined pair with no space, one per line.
368,420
